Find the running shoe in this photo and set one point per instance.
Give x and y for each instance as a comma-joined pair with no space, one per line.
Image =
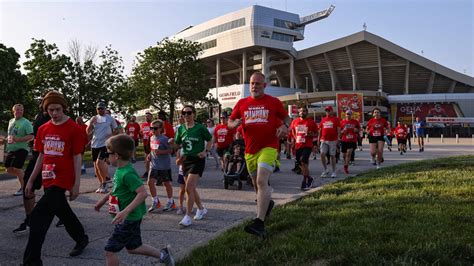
333,175
200,214
401,153
98,190
378,166
324,173
18,193
256,227
181,210
155,205
303,185
59,223
104,190
21,229
166,257
389,148
79,247
310,182
186,221
170,206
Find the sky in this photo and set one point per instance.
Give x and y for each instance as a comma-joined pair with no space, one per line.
440,30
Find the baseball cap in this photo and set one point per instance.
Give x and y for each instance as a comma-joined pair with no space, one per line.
101,105
349,112
328,109
224,114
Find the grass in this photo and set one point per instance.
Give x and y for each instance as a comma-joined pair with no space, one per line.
417,214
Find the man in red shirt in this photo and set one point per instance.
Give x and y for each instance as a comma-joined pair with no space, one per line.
261,116
329,132
223,137
350,132
59,162
169,131
145,134
401,133
303,129
133,130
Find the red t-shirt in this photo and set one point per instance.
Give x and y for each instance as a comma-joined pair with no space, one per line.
223,136
377,127
328,126
401,132
58,144
133,130
260,119
85,136
348,130
169,131
300,127
145,130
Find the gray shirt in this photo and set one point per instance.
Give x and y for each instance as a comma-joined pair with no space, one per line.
162,161
103,129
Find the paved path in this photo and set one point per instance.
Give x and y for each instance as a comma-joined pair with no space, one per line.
226,209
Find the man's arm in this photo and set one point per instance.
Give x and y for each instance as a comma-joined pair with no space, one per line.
283,129
77,159
234,123
34,174
26,138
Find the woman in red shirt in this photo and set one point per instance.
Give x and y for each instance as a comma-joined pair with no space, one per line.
401,133
376,130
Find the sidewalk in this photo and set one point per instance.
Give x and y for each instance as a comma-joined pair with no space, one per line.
227,208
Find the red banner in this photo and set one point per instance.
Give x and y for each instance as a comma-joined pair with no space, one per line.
353,102
424,110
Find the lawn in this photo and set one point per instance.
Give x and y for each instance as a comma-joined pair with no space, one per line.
415,213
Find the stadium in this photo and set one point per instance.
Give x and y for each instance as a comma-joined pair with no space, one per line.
379,72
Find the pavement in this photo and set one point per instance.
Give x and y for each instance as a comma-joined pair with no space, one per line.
226,208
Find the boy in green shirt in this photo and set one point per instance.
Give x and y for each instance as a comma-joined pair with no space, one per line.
127,205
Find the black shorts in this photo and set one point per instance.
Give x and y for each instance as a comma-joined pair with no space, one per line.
126,234
193,165
16,159
29,169
221,151
345,145
99,153
302,154
136,141
373,139
402,141
160,176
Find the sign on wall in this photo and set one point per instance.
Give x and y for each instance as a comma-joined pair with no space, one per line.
424,110
353,102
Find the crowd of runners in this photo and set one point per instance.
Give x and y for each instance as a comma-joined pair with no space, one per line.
250,137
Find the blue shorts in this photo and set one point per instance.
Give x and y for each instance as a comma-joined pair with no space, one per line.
126,234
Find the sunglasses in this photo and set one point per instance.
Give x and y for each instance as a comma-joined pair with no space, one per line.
154,128
186,112
100,108
107,154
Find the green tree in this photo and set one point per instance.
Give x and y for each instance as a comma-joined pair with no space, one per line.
13,84
168,72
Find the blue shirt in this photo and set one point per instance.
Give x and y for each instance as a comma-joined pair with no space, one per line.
420,128
162,161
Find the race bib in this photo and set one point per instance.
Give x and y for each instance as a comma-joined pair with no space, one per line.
113,205
349,136
154,146
221,139
300,139
48,171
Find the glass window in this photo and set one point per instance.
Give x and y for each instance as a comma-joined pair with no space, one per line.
217,29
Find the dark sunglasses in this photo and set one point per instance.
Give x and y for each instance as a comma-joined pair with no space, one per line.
154,128
100,108
107,154
186,112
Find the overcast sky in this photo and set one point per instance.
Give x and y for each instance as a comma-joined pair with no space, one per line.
442,29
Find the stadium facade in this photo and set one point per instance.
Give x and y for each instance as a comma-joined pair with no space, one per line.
259,38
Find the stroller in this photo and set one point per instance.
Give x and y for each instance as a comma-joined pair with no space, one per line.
235,169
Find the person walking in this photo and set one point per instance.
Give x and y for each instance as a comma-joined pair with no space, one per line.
145,134
59,163
210,127
223,138
133,130
401,133
264,121
304,129
101,127
191,137
329,132
376,130
419,129
20,132
349,135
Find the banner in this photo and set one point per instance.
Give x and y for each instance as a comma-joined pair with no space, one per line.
424,110
450,120
353,102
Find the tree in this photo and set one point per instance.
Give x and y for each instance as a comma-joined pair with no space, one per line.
168,72
13,84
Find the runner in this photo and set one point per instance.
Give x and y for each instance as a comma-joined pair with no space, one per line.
20,132
376,129
83,126
223,138
102,127
401,133
350,132
145,134
304,129
419,128
127,205
261,116
329,132
160,166
168,128
59,161
133,130
210,127
191,136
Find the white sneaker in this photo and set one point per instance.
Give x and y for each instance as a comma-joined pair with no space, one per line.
200,214
98,190
186,221
333,175
378,166
372,161
18,193
325,173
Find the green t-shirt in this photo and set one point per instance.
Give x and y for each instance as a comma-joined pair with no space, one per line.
19,128
126,181
192,139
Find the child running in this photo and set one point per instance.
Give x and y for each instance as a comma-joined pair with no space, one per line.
127,205
160,166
